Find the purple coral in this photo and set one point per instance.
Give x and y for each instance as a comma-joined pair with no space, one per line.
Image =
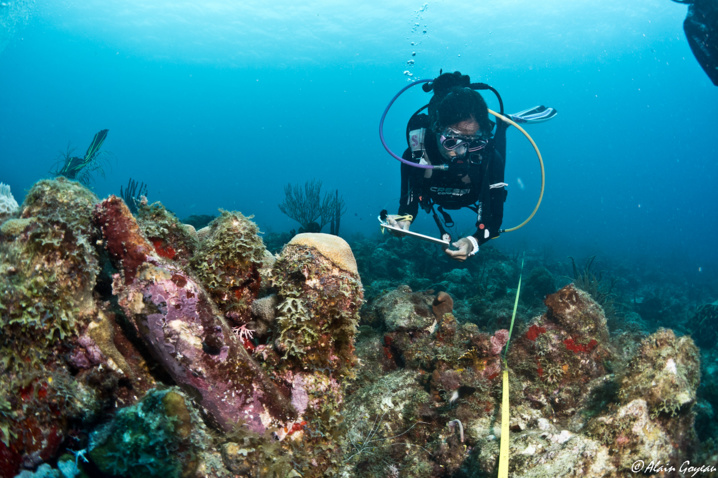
87,354
184,330
300,397
498,340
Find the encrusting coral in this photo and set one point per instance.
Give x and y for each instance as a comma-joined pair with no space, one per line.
49,269
566,407
184,331
228,261
319,294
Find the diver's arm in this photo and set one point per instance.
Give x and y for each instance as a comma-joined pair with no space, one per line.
491,215
410,188
491,225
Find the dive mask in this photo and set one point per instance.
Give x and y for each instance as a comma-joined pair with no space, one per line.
454,145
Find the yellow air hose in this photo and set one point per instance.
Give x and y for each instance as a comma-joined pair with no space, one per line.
543,172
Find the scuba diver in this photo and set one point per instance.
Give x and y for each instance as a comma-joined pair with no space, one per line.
454,161
701,28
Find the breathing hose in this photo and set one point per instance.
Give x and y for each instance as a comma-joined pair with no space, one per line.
543,171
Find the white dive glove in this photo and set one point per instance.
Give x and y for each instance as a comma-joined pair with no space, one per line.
465,247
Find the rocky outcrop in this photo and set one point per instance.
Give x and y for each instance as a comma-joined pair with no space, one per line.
184,330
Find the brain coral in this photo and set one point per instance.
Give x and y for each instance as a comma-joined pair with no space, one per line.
332,247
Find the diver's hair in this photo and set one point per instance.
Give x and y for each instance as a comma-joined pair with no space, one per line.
458,105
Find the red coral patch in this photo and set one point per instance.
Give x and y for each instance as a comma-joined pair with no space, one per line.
179,280
163,249
576,347
534,331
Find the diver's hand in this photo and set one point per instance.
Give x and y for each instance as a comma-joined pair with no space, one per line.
465,247
397,221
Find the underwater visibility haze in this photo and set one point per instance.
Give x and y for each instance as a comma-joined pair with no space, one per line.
215,107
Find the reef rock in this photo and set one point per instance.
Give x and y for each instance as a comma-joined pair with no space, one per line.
184,331
665,373
159,436
654,419
319,293
228,261
560,357
577,313
171,239
402,309
48,269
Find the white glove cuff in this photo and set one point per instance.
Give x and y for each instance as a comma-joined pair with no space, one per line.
474,243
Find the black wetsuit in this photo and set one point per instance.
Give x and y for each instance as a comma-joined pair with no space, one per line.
701,27
462,185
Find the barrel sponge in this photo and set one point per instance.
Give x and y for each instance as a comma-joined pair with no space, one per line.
332,247
8,205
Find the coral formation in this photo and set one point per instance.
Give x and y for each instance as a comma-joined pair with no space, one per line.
8,205
567,411
654,415
316,318
319,302
227,261
665,374
139,347
49,271
308,207
183,330
158,436
171,239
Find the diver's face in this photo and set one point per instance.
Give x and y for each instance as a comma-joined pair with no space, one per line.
456,141
467,127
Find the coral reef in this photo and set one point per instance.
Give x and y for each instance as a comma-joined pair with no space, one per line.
60,363
568,411
704,325
654,414
49,271
171,239
137,346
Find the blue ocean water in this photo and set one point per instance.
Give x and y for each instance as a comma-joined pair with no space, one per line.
220,104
